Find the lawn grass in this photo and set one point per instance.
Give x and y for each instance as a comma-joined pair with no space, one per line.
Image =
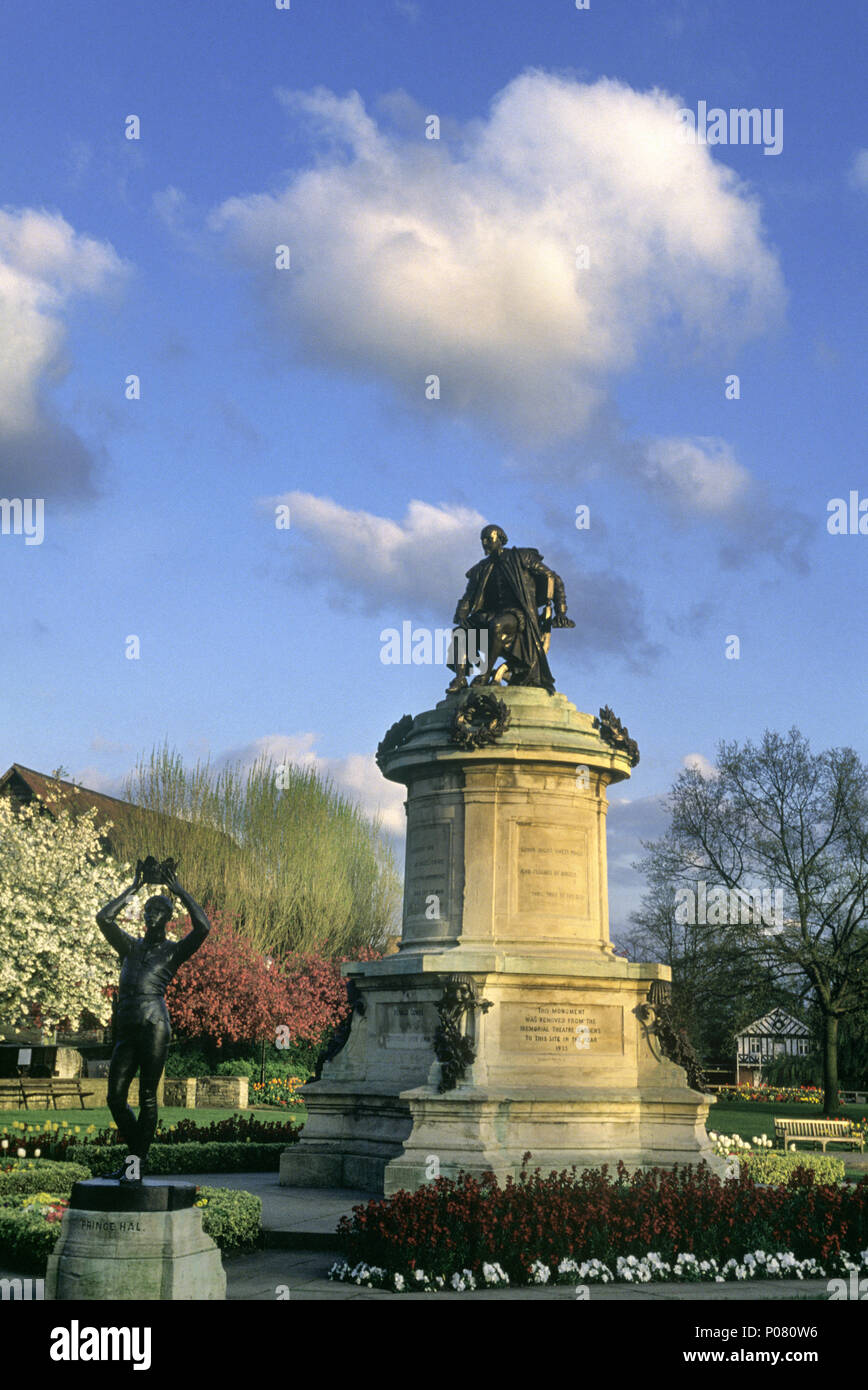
750,1117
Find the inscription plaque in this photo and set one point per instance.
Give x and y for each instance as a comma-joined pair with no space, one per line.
427,872
406,1025
551,871
567,1030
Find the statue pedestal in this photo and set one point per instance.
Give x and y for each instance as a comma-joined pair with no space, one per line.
506,901
134,1241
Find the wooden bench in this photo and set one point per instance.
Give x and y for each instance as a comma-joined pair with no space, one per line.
853,1097
818,1131
53,1088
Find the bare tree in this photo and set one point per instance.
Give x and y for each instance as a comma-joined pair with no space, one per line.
778,827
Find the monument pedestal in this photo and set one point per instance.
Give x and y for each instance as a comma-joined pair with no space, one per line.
505,1024
134,1241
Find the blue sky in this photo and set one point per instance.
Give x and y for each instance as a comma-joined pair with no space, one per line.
559,386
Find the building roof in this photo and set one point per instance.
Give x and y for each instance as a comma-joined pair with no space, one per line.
777,1024
56,794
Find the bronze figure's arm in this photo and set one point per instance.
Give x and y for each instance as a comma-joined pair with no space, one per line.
560,618
201,926
105,918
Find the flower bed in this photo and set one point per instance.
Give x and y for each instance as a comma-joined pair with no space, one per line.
684,1217
54,1138
686,1269
773,1095
279,1091
767,1166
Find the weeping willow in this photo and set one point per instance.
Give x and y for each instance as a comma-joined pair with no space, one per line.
299,864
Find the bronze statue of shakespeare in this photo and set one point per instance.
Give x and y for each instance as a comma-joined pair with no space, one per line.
142,1028
501,603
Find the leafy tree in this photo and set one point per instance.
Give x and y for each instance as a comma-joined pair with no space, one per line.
229,992
298,866
54,877
777,819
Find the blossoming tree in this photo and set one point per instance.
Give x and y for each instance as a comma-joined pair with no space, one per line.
54,876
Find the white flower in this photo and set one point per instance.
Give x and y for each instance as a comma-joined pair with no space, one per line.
399,1283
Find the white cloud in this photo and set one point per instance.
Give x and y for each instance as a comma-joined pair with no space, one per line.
459,257
858,172
696,476
384,563
697,762
44,263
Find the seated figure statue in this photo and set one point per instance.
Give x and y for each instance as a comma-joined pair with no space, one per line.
504,594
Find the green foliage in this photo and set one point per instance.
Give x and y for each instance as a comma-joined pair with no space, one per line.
41,1175
297,864
774,1167
232,1219
240,1067
188,1059
794,1071
26,1240
164,1159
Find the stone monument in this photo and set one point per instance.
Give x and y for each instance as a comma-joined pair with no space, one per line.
505,1024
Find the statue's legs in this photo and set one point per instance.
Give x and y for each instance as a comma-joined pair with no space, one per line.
124,1064
153,1049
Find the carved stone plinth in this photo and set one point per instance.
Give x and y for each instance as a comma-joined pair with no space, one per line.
505,1024
134,1241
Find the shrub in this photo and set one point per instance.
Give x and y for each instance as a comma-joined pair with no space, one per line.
232,1219
41,1175
242,1066
26,1240
187,1061
777,1167
188,1158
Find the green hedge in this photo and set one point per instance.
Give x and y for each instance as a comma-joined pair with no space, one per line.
26,1240
184,1158
772,1167
42,1175
232,1220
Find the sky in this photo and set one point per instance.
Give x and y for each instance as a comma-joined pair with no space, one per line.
238,273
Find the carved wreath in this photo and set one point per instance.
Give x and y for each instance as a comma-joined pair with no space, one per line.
394,736
454,1040
656,1014
479,720
616,734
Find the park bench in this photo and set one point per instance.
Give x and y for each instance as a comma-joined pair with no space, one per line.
853,1097
818,1131
53,1087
